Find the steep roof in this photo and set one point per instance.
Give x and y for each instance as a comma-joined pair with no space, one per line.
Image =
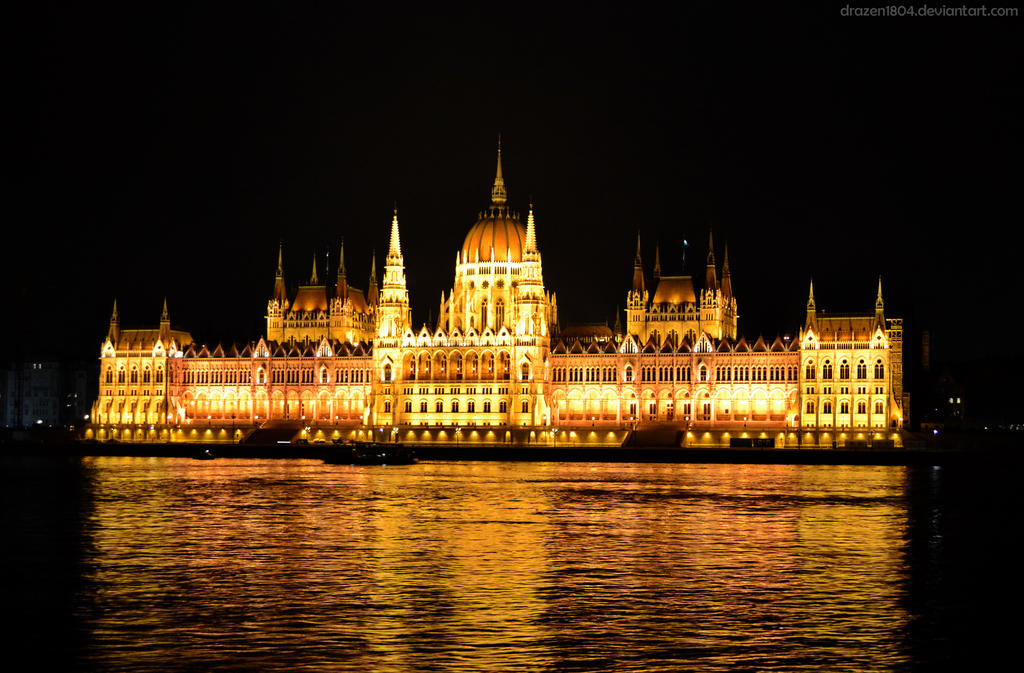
845,327
674,290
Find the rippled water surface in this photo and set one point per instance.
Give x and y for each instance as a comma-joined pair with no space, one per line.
174,564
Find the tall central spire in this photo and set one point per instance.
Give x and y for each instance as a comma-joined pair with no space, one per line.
396,247
498,194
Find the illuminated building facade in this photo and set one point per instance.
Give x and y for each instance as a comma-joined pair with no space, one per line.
338,362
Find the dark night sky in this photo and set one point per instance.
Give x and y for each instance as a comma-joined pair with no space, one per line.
166,150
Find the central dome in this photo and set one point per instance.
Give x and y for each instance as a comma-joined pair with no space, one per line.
497,230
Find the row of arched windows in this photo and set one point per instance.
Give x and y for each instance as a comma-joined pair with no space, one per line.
585,374
844,407
470,406
133,375
810,371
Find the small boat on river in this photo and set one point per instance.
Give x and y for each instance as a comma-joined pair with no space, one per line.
370,453
205,454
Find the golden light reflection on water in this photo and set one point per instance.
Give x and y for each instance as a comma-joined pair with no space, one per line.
494,566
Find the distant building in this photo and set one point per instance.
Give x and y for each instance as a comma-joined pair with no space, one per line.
46,394
343,362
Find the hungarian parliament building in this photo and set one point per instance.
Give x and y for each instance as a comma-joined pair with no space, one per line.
339,362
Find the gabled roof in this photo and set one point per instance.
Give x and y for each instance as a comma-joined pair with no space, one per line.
667,346
778,346
723,346
760,346
577,348
845,327
559,348
741,346
650,346
610,347
594,348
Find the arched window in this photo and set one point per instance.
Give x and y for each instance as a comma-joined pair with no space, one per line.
826,407
862,407
439,406
135,375
862,370
109,376
503,406
471,406
878,407
879,370
844,370
627,375
826,370
423,406
323,375
387,372
145,375
483,315
408,406
526,371
261,376
526,406
810,407
499,314
844,407
703,373
487,406
809,371
455,406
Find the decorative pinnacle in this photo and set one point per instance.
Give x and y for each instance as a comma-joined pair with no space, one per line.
113,316
810,297
636,260
312,278
280,263
163,316
395,249
878,300
711,248
531,231
498,194
341,259
657,260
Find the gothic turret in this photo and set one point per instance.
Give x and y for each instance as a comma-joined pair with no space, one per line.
393,313
638,269
657,261
372,294
726,278
812,311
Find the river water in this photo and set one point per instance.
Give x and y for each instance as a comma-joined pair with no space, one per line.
171,564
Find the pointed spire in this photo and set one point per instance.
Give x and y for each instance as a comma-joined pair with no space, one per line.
395,249
114,333
371,294
711,278
498,194
164,317
531,231
280,292
657,261
812,314
341,290
440,313
726,278
638,269
879,304
618,321
313,280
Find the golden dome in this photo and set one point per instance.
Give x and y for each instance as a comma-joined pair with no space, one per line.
497,229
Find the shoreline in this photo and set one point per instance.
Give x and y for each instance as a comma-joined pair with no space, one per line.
782,456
